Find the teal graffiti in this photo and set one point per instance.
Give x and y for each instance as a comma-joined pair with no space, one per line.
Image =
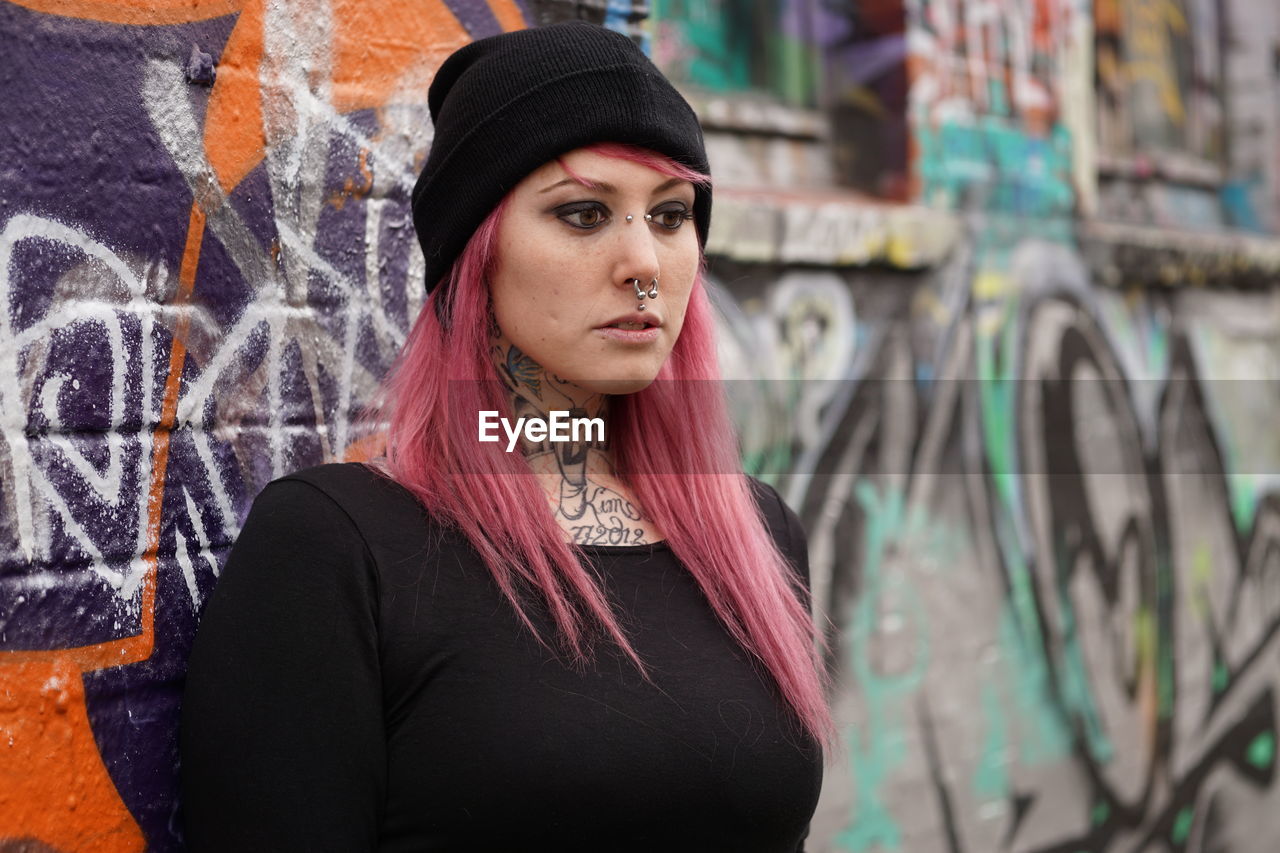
991,778
1077,694
1262,750
991,164
1046,736
881,746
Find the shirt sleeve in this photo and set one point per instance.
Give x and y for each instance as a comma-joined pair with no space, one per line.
282,742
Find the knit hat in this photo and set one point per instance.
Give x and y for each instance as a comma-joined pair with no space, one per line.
505,105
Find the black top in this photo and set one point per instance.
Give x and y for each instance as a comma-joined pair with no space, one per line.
359,683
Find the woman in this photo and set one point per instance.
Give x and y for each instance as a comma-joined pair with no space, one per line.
523,643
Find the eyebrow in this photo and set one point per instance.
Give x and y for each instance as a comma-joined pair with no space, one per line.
606,187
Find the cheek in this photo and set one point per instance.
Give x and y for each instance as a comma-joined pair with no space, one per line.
534,298
684,274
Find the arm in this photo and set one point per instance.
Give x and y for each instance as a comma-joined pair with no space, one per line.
282,744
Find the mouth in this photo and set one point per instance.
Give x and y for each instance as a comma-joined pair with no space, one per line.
632,330
634,323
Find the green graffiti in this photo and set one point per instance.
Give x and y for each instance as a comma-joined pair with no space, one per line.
1046,735
1158,348
991,778
766,462
1077,691
1262,750
995,390
1077,694
1182,825
796,66
1244,495
1221,677
1101,811
704,34
880,747
872,823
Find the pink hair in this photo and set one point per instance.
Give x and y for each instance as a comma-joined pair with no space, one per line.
710,520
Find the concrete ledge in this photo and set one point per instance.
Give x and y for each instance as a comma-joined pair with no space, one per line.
743,112
828,229
1122,254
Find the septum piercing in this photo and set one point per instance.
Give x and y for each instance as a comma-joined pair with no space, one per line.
640,294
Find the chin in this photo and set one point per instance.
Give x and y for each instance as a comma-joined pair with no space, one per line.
618,386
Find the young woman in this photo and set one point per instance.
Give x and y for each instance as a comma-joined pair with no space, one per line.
526,643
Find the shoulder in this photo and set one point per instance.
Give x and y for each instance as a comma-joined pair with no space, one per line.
298,548
347,481
331,504
366,496
783,523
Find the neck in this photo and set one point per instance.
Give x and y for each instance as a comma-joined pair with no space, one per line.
585,493
534,393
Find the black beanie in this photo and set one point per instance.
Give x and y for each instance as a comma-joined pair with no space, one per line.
503,106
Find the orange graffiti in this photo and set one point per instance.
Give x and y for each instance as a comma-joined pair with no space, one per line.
233,117
53,785
366,449
376,46
136,12
349,188
508,14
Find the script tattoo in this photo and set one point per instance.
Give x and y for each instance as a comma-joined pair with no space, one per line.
596,511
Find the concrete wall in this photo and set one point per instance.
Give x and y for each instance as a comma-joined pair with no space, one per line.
1054,604
1028,417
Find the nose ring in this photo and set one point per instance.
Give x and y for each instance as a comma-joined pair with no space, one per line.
653,289
640,294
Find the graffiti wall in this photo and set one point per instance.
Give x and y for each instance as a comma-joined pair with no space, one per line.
1045,526
206,262
1041,494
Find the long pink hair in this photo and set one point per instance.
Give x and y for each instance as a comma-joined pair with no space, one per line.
711,521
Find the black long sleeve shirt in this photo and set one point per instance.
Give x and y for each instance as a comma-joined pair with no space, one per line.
359,683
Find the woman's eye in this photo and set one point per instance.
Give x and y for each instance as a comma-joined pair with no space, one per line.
583,217
672,218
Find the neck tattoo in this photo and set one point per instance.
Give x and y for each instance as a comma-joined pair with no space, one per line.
586,496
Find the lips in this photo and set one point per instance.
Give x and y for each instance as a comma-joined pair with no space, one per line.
645,321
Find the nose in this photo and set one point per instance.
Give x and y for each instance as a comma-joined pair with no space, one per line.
637,255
